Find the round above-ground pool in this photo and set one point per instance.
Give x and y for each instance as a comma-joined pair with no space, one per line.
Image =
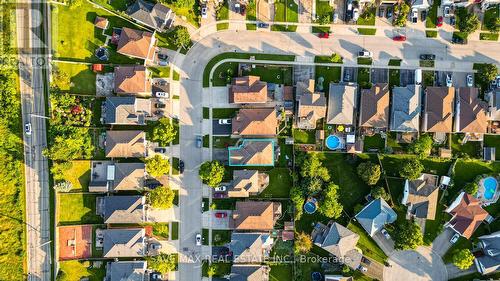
310,207
332,142
490,185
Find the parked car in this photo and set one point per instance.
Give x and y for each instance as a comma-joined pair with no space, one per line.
198,239
449,80
439,22
162,59
324,35
155,246
204,11
160,105
399,38
164,95
385,233
152,183
454,239
423,15
160,150
496,82
446,11
469,80
221,215
243,10
364,54
365,260
453,21
181,166
224,121
389,12
355,14
237,8
199,141
381,12
427,57
414,16
458,40
27,129
335,17
220,188
202,206
362,268
347,77
262,25
219,195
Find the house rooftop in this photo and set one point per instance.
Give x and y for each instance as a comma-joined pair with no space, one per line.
247,182
467,214
471,112
438,112
256,215
136,43
126,270
248,247
132,79
255,122
421,196
124,243
489,261
126,110
341,103
405,112
252,152
247,89
249,273
125,144
374,111
311,108
124,209
154,15
375,215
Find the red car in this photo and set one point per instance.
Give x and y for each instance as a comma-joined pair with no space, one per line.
220,215
399,38
439,21
324,35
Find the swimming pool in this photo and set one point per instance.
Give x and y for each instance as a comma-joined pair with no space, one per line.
310,207
490,185
332,142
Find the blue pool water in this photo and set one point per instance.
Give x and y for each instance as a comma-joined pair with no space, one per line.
332,142
490,187
310,207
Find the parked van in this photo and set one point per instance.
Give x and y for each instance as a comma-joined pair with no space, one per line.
418,76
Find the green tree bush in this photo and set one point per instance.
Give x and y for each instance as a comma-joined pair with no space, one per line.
303,243
161,197
162,263
407,236
422,146
369,172
157,166
463,259
164,131
330,206
411,169
212,173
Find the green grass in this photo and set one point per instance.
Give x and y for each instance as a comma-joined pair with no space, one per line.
206,113
223,204
364,78
320,29
489,15
223,26
367,17
394,62
160,71
80,47
493,141
431,33
304,136
280,182
323,8
281,272
462,35
79,175
428,78
176,76
224,73
251,26
272,74
431,20
365,61
81,76
283,28
221,269
221,237
223,12
374,142
204,236
206,140
222,113
366,244
251,11
175,165
175,230
393,163
329,74
471,148
394,78
191,13
82,208
286,150
77,270
285,11
367,31
488,36
161,230
223,142
426,63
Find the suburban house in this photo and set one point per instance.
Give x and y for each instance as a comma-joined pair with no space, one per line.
122,209
136,44
154,15
107,176
134,80
261,215
374,108
421,196
126,270
249,272
488,255
124,243
246,183
248,90
405,112
438,110
252,152
255,122
375,215
493,99
470,112
338,241
337,278
75,242
467,214
421,5
250,247
311,108
126,111
342,104
125,144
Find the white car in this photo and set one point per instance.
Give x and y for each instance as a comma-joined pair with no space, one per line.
364,54
362,268
164,95
386,235
449,80
355,14
469,80
446,11
204,11
27,129
198,239
414,16
224,121
454,239
220,188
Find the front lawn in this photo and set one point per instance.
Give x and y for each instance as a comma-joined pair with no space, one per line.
272,74
81,76
364,78
375,142
221,269
394,62
283,28
161,230
175,230
286,11
431,20
160,71
426,63
366,243
470,148
367,17
489,15
493,141
431,33
224,73
79,270
304,136
365,61
280,182
77,208
78,175
323,9
320,29
329,74
222,113
221,237
488,36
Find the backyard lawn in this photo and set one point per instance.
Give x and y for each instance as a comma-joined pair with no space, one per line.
489,15
366,243
81,76
80,46
79,175
375,142
281,272
364,78
77,270
280,183
466,171
324,9
304,136
221,269
393,163
272,74
493,141
329,74
471,148
221,237
77,208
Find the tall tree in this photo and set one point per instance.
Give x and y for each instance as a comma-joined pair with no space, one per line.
157,166
181,36
411,169
468,23
212,173
161,197
422,146
369,172
408,236
486,72
164,131
302,244
313,167
330,206
463,259
297,197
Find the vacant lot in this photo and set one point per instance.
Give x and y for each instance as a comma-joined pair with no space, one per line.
77,270
81,76
79,175
77,208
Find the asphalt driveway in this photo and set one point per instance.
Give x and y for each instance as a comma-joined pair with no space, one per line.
442,243
220,130
422,264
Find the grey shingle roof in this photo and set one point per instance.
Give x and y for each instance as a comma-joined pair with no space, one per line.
375,215
126,110
247,247
126,270
341,103
490,261
156,16
124,209
121,243
249,273
405,112
340,242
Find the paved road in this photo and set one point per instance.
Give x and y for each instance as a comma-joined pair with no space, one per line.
193,96
32,81
419,265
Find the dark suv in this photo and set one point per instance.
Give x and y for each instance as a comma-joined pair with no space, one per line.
427,57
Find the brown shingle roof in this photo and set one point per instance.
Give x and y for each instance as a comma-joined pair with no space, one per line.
312,107
438,109
374,110
252,153
101,22
125,144
256,215
255,122
422,196
472,111
467,214
132,79
136,43
248,89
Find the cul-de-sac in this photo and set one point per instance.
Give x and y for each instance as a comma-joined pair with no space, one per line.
250,140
